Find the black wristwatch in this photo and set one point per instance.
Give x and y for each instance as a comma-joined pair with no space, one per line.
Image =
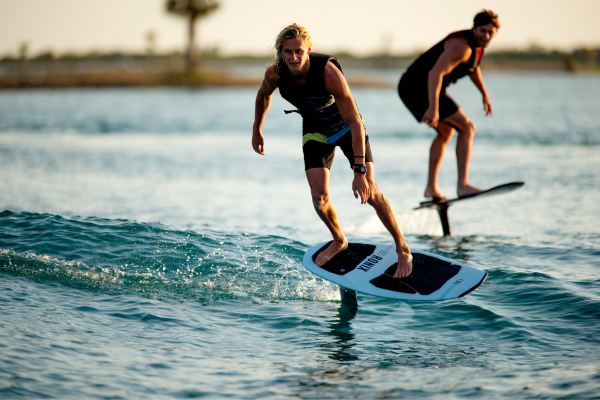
360,168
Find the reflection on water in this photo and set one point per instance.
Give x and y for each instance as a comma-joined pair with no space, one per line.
341,331
456,248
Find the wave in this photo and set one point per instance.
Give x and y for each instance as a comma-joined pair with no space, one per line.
161,262
150,259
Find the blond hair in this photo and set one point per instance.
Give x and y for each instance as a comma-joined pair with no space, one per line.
293,31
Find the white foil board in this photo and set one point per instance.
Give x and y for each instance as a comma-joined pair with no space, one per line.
368,268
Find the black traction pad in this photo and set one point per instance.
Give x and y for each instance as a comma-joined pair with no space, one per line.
346,260
428,275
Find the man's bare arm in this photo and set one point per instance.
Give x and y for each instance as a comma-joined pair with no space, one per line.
336,84
261,106
456,51
478,81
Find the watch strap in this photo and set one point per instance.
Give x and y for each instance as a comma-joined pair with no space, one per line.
360,168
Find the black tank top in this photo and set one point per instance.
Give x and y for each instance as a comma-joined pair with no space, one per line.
320,114
422,65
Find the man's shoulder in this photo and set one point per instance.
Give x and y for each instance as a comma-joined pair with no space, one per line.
458,45
334,80
271,77
332,71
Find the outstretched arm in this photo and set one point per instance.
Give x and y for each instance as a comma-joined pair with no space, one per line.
261,106
336,84
478,81
456,51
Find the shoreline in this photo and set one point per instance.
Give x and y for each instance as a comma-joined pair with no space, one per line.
87,74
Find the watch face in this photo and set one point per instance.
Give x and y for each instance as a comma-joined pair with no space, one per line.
361,169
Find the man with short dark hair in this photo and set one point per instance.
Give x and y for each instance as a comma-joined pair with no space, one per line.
422,88
314,83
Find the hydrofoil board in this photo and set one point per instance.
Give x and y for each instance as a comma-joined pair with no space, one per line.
369,268
442,205
500,189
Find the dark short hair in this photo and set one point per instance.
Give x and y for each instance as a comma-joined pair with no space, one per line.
485,17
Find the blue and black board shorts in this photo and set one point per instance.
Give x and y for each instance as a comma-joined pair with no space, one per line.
320,155
414,95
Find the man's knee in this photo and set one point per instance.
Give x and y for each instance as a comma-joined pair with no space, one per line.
445,133
471,127
468,130
319,198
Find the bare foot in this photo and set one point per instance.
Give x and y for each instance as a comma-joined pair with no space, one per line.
467,190
435,193
404,267
327,254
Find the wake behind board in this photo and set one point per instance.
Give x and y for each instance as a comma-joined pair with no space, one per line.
500,189
369,268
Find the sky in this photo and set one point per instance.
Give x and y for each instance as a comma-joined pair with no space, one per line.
249,26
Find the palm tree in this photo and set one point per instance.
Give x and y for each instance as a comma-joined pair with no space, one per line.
192,10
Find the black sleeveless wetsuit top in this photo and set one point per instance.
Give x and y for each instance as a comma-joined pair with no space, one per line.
321,119
420,68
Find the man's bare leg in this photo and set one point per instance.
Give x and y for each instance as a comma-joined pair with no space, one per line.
464,144
436,154
318,180
386,214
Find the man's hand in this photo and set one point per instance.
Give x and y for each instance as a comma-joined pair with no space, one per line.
487,106
263,99
404,268
258,143
360,186
456,51
431,117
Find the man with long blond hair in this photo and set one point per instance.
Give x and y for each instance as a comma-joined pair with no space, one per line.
314,83
422,88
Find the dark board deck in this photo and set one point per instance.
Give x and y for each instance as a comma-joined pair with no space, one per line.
500,189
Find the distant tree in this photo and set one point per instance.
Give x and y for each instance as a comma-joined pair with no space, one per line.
150,43
192,10
23,51
590,54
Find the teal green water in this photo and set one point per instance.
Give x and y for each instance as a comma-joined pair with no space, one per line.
147,252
